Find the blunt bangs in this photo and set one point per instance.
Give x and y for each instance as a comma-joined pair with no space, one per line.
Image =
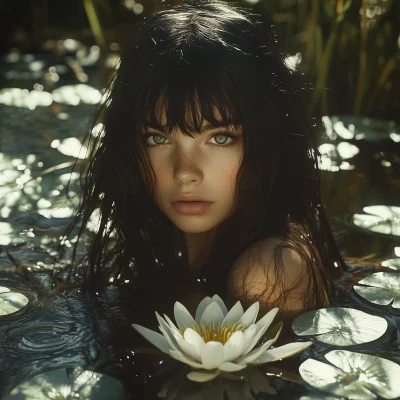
187,94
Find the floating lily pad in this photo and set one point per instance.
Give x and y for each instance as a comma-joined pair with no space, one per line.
11,302
380,219
353,375
394,263
385,288
57,384
340,326
321,397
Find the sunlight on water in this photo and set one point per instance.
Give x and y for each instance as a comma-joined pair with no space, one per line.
43,124
70,147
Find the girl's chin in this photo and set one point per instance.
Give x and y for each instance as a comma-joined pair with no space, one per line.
194,227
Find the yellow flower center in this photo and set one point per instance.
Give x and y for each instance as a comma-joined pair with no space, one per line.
219,333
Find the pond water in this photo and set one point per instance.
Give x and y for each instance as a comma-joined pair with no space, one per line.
59,346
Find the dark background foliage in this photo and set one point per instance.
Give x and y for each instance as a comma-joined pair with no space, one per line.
349,48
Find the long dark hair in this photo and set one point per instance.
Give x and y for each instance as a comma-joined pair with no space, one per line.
205,53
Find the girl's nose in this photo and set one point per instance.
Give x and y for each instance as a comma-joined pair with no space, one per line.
187,168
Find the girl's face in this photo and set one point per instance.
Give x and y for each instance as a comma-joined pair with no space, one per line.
205,165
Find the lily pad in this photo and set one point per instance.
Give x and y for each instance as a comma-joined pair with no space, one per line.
380,219
11,302
320,397
394,263
385,288
57,384
340,326
353,375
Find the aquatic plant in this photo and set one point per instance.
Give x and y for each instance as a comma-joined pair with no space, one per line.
379,219
218,340
11,302
353,375
340,326
383,288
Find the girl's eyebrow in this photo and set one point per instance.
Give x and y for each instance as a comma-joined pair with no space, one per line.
204,128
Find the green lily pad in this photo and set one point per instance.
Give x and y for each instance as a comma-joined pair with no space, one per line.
353,375
340,326
11,302
57,384
380,219
393,263
320,397
385,288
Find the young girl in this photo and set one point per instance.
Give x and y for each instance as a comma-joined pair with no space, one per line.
203,109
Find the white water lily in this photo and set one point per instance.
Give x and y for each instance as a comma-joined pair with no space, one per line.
218,340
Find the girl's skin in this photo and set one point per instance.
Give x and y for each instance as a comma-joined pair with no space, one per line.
201,166
206,165
265,236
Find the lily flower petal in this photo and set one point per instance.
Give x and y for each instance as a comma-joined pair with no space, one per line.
285,351
255,354
255,339
234,346
170,323
221,303
182,315
170,339
189,349
193,338
201,307
177,355
212,355
250,316
166,331
231,367
154,338
168,336
177,335
267,319
202,376
234,314
212,313
249,334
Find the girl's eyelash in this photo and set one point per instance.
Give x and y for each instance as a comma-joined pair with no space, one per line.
230,135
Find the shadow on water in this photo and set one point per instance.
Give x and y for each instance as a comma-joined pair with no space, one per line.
73,346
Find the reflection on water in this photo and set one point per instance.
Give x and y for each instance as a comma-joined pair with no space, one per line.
70,335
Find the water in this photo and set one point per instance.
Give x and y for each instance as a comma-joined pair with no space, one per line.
58,338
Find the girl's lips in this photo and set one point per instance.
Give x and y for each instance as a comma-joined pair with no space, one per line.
191,207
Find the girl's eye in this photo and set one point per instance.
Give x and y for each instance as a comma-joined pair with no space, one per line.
220,136
157,140
220,139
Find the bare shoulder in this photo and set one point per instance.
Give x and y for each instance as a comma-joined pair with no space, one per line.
255,277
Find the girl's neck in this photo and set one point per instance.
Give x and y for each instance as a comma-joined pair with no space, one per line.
199,248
